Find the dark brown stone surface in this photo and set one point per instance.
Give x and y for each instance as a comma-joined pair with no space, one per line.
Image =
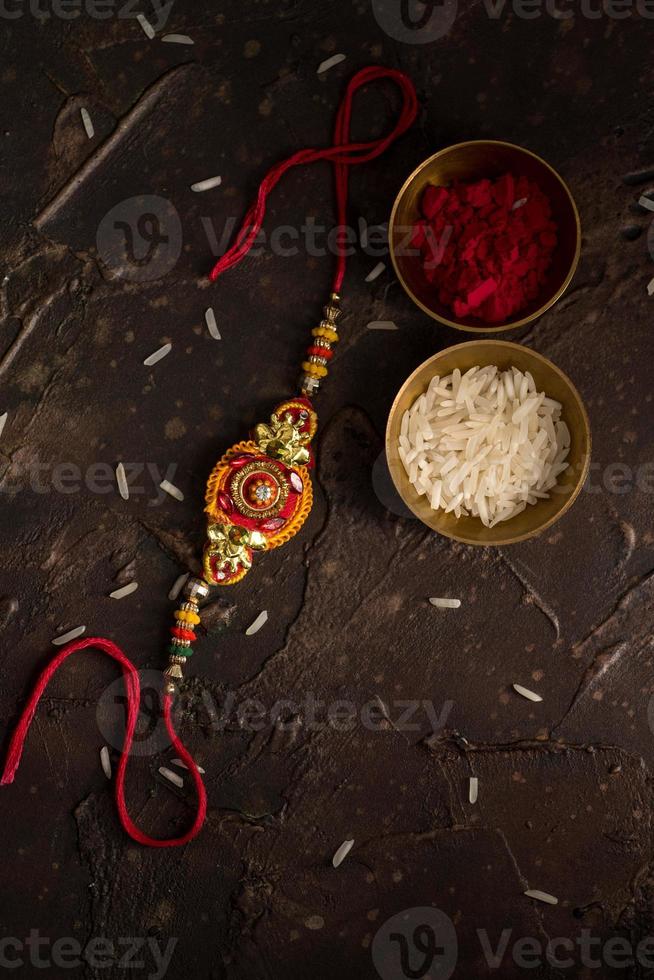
565,788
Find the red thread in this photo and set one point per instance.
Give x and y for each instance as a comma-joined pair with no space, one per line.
342,154
132,684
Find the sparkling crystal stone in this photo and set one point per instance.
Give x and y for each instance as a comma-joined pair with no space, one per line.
273,524
225,503
296,483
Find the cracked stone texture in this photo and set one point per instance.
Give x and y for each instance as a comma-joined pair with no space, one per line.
565,791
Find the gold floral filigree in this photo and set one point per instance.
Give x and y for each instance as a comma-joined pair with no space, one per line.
284,439
232,546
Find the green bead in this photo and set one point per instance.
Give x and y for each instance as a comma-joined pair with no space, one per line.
178,651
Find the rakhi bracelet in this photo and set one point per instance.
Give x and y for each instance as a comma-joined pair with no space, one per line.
259,494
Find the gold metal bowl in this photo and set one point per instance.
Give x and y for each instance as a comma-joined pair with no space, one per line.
473,161
536,517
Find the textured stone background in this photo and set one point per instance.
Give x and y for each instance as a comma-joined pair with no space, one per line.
565,800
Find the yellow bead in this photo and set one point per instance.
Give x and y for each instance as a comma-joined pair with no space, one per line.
192,618
331,336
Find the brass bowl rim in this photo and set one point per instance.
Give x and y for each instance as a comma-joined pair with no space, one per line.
513,324
510,539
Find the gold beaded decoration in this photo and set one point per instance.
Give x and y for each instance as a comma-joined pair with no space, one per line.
186,617
320,352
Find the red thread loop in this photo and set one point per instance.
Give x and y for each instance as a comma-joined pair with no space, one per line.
343,155
132,684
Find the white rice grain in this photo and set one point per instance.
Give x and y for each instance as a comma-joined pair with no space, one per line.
70,635
105,761
446,603
473,789
177,39
148,29
171,776
206,185
260,621
212,326
526,693
3,421
158,355
342,852
650,287
335,59
178,585
646,202
541,896
182,765
125,590
87,122
171,489
121,480
376,272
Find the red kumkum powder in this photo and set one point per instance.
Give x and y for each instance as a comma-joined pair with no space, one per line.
486,246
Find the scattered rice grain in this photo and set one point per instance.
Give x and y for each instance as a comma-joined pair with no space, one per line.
342,852
177,39
67,637
148,29
526,693
212,326
158,355
541,896
89,128
125,590
473,789
376,272
260,621
3,421
650,287
171,776
335,59
446,603
121,480
206,185
178,584
646,202
171,489
182,765
105,761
